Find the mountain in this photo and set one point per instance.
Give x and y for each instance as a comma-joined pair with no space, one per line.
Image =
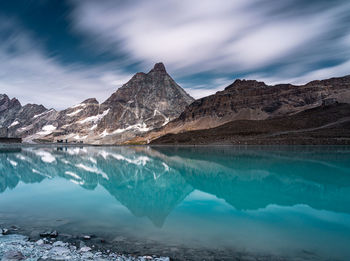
151,105
147,101
21,120
327,124
8,109
253,100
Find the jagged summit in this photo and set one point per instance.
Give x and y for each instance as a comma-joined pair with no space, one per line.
149,101
90,100
145,102
238,83
159,67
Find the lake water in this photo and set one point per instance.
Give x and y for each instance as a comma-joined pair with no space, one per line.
292,202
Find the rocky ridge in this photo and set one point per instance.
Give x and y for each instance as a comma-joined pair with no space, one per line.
253,100
152,104
323,125
147,101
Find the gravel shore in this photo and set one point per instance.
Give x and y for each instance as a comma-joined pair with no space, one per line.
18,247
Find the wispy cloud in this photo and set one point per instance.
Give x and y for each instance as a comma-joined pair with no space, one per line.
237,37
275,41
33,76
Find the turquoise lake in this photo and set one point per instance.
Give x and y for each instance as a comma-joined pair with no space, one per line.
284,201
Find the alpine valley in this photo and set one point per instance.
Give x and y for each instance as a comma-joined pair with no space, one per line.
152,108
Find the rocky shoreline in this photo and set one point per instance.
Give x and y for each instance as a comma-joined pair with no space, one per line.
15,246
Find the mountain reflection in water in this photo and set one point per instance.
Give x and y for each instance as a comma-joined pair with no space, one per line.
152,181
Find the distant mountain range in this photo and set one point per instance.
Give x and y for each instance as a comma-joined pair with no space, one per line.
145,102
152,105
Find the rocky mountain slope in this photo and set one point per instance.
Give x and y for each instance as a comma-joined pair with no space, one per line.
145,102
327,124
152,104
22,121
253,100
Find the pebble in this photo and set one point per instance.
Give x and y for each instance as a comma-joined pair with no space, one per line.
59,251
40,242
5,231
50,234
14,228
85,249
59,243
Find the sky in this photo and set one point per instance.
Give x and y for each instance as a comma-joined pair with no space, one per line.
61,52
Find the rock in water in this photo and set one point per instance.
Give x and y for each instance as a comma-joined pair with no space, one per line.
85,249
4,231
52,234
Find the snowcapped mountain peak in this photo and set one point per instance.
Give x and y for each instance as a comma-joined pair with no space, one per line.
146,101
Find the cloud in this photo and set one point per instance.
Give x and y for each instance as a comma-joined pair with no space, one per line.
33,76
211,87
204,44
227,36
319,74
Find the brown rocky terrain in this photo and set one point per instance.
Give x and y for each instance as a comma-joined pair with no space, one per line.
253,100
152,104
326,124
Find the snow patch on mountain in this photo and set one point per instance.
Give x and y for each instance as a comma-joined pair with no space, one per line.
79,105
47,129
43,113
141,127
74,113
95,118
14,123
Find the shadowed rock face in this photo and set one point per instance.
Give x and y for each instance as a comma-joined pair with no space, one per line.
22,120
253,100
326,124
8,109
147,101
